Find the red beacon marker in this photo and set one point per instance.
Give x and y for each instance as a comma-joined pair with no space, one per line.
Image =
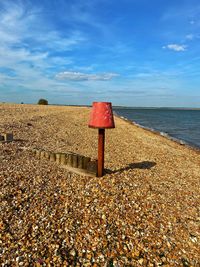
101,117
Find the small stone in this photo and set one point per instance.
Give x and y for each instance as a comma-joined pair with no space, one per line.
135,253
103,217
193,239
89,256
72,252
141,261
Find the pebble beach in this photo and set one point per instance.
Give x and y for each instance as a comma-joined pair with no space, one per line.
145,210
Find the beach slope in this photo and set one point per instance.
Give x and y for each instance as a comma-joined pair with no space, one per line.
143,212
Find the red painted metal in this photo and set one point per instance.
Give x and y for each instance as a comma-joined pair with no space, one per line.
101,115
101,143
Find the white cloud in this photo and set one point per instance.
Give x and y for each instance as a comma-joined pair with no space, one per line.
78,76
25,25
189,36
175,47
29,46
53,40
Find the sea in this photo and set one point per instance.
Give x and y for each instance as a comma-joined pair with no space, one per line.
182,125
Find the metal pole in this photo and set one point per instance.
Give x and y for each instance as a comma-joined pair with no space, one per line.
101,143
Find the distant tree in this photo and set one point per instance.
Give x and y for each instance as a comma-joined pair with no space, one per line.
42,102
22,102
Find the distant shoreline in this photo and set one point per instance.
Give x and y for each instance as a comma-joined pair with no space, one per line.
119,107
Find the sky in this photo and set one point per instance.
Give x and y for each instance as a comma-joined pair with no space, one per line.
128,52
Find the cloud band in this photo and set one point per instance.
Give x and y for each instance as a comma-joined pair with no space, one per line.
78,76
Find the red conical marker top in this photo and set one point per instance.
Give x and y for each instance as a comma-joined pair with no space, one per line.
101,115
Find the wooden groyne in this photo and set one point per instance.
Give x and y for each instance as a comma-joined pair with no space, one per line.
69,160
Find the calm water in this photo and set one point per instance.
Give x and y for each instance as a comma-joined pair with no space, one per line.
179,124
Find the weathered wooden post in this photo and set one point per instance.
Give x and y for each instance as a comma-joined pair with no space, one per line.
63,159
52,156
8,137
101,117
42,154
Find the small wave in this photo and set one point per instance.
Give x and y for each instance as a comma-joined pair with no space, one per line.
180,141
144,127
164,134
125,119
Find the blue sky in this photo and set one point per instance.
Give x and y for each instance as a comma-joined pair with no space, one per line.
129,52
